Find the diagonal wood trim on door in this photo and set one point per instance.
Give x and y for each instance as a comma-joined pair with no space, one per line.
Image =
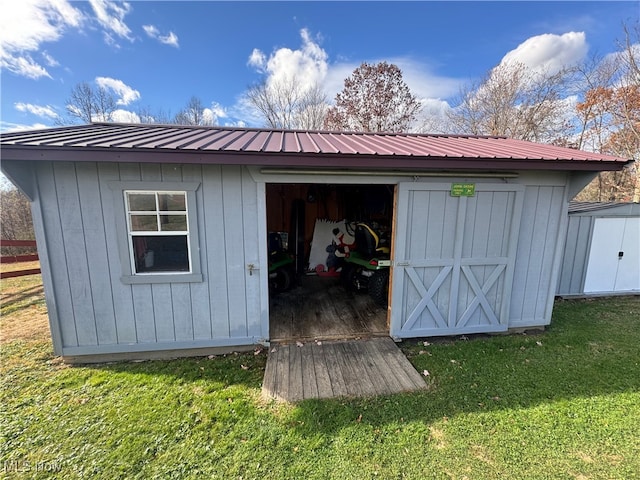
481,295
458,255
427,297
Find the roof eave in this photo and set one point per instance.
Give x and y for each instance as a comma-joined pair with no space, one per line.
300,160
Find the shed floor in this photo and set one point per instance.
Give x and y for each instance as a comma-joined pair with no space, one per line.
319,308
349,368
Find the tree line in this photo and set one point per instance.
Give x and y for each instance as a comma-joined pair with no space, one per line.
511,100
594,106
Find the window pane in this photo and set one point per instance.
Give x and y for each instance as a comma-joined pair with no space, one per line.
173,223
161,253
144,223
172,202
141,202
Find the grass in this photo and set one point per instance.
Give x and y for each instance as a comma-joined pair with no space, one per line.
561,404
23,313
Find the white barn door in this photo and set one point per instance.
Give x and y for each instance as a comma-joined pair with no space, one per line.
453,259
614,257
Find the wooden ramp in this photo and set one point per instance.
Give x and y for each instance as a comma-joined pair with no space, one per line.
354,368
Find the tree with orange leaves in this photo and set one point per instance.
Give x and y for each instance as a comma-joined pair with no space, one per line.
610,118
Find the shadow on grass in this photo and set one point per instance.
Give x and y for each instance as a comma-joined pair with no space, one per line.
234,369
590,350
20,299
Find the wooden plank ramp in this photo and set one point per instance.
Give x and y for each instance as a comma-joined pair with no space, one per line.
330,369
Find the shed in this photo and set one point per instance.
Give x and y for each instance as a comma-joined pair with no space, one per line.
478,228
602,251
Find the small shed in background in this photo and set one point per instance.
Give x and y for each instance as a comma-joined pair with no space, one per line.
602,251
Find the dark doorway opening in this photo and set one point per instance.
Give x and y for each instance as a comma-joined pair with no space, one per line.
318,304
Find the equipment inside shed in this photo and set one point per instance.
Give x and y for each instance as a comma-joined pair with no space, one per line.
312,231
294,209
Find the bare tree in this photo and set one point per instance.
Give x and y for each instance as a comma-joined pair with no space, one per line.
312,109
15,219
288,104
514,101
88,104
193,114
148,115
375,98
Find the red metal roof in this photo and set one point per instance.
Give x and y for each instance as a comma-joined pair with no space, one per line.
190,144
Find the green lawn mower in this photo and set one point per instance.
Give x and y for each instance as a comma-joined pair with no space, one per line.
366,265
282,274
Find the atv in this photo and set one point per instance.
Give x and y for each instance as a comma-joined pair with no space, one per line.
366,265
282,273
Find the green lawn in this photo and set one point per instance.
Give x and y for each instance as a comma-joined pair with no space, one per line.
562,404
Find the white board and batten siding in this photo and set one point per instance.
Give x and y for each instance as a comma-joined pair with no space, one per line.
93,312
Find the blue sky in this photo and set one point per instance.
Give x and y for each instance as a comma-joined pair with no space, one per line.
159,54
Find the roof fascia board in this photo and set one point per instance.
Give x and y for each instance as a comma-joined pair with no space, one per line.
75,154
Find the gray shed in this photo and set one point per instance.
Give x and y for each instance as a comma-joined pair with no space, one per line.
602,251
478,228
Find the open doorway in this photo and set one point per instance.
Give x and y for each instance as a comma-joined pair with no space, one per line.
315,226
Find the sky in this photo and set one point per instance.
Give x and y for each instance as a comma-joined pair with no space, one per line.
156,55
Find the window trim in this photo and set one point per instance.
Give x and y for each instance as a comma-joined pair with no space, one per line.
129,275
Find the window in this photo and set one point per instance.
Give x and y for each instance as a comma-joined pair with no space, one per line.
157,231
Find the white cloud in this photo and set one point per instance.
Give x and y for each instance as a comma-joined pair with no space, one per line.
213,115
218,110
24,66
150,30
169,39
110,16
125,116
39,110
257,59
6,127
25,25
424,83
549,52
125,92
50,61
307,65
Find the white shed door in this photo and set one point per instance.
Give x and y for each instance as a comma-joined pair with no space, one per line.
614,257
453,259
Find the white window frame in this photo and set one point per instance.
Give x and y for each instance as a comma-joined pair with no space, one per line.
125,235
159,232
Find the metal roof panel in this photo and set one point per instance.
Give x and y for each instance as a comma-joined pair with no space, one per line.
300,145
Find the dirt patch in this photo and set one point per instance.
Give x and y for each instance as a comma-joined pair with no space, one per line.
23,312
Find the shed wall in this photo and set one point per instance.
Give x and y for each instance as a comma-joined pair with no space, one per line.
540,243
98,313
579,242
576,252
93,312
